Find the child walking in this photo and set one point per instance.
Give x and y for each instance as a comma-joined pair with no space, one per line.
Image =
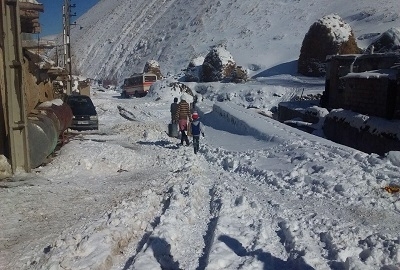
197,129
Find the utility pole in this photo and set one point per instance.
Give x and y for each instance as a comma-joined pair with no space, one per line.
13,104
67,42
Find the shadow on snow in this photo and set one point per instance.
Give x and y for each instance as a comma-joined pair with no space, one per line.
162,143
269,261
289,68
215,121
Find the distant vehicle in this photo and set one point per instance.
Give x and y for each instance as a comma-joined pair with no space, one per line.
84,113
137,85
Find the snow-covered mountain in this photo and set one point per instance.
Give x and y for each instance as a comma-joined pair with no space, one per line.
118,37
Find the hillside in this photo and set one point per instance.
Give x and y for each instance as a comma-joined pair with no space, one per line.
118,37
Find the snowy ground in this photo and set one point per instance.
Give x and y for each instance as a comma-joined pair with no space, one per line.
259,195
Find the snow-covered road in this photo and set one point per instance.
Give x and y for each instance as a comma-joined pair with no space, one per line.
260,195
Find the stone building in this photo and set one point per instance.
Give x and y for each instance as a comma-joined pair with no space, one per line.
362,94
368,84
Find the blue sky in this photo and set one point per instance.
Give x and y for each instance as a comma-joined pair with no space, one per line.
51,18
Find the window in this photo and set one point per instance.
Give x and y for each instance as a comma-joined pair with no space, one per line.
150,78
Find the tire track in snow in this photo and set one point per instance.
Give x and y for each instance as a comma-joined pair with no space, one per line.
165,205
189,211
296,256
245,235
215,208
101,243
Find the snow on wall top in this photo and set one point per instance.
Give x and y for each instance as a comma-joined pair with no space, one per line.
377,125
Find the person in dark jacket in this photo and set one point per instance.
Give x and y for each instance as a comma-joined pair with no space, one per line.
182,116
197,129
174,109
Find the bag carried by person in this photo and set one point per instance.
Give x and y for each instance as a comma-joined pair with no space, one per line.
173,130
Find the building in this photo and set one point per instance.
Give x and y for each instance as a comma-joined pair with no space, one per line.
368,84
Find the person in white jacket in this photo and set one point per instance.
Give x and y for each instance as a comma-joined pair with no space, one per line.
197,128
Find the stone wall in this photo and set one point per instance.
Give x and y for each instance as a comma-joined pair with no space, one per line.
370,96
368,137
342,132
364,83
38,88
292,110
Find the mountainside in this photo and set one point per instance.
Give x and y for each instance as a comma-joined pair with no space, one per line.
118,37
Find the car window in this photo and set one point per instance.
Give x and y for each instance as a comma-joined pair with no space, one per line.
81,106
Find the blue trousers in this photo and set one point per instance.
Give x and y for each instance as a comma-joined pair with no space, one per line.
196,142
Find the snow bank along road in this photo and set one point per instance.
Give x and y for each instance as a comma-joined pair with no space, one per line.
286,200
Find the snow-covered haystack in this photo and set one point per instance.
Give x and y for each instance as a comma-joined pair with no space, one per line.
389,41
161,90
239,75
329,35
193,72
153,66
218,65
182,87
168,89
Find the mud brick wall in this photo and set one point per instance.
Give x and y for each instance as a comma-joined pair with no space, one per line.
342,132
367,96
3,131
375,94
